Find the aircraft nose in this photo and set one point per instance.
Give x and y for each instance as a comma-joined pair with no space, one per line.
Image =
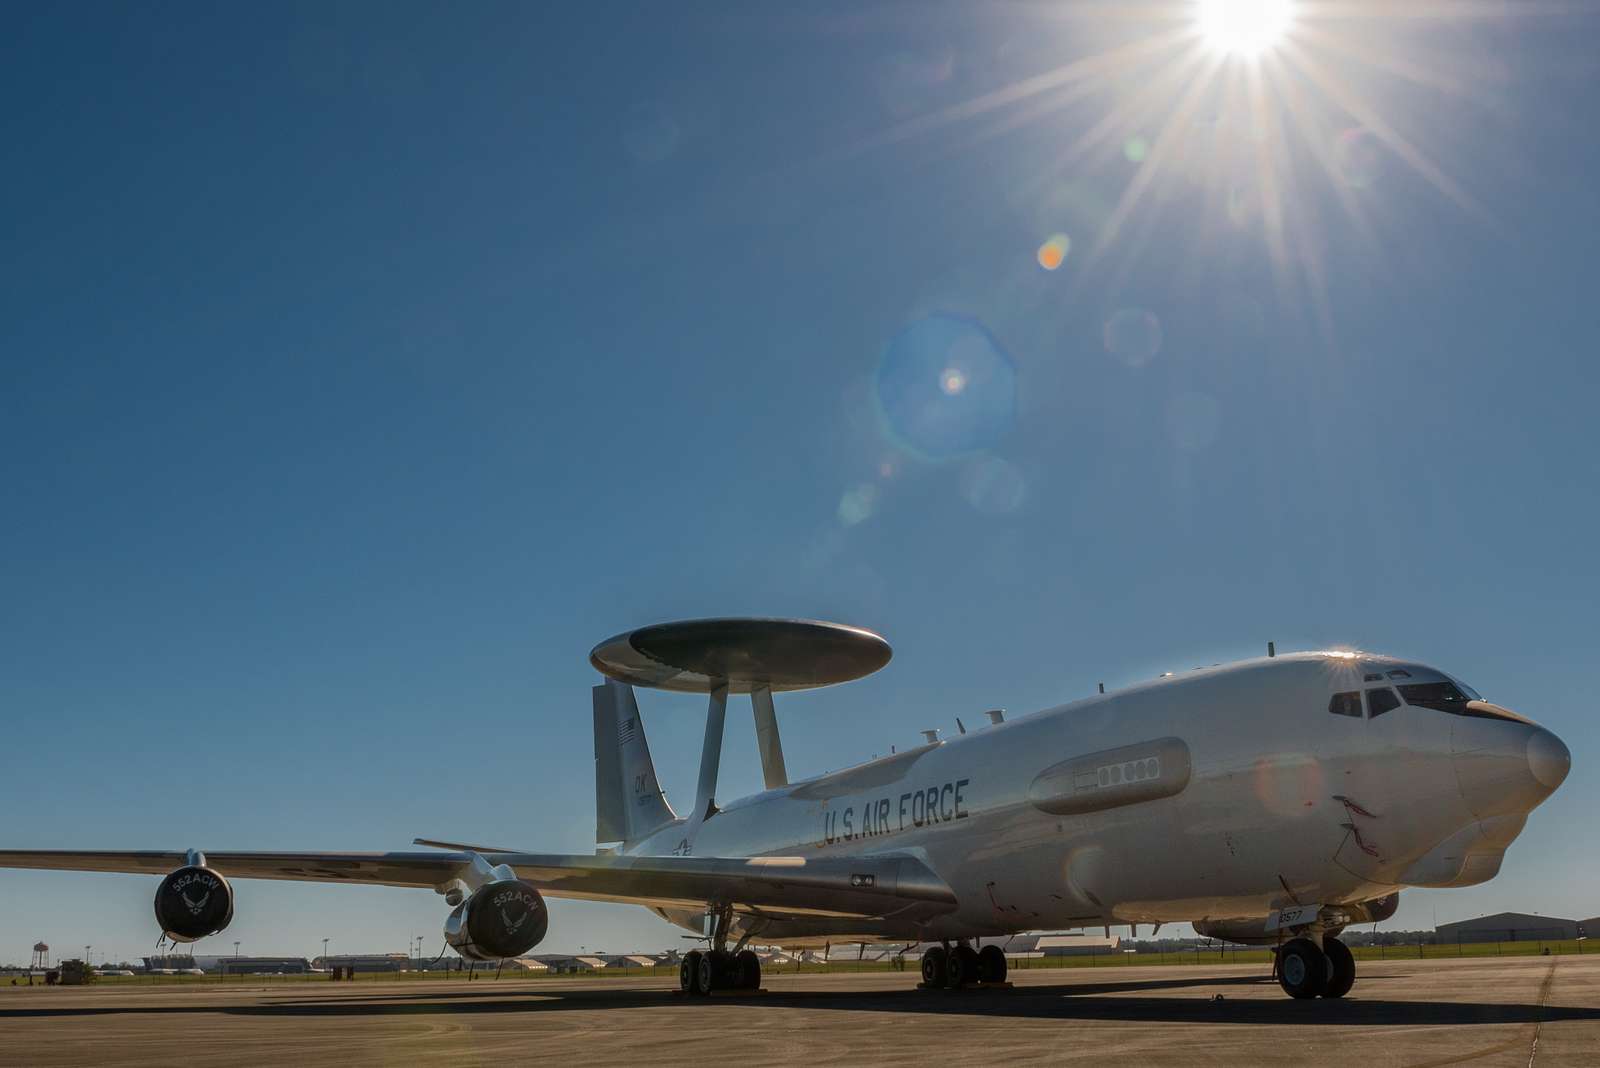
1506,766
1548,758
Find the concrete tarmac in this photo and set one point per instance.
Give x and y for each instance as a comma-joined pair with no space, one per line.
1486,1012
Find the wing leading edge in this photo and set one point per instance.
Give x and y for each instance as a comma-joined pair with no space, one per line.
869,886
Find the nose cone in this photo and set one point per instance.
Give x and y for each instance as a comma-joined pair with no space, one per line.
1548,758
1506,766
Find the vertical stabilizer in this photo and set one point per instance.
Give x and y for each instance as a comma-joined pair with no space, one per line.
629,803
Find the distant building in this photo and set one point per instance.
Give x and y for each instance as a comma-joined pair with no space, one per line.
527,964
1508,927
1589,928
263,965
1067,945
568,965
170,963
631,960
365,962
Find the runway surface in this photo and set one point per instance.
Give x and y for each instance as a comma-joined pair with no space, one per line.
1540,1011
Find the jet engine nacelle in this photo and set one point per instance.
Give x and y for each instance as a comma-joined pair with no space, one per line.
505,918
193,902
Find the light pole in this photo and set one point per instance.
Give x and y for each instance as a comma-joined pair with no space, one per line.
324,952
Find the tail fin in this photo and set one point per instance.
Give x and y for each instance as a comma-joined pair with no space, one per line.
629,803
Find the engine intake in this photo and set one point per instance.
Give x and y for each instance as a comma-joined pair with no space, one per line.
505,918
193,902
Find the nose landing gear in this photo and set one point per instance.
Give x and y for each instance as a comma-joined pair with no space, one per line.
1306,970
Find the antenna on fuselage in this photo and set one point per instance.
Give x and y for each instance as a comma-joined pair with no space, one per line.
930,737
1272,650
962,727
996,716
1102,687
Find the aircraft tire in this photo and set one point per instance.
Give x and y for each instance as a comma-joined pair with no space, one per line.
709,975
689,972
1302,968
1341,967
935,966
991,965
747,967
963,967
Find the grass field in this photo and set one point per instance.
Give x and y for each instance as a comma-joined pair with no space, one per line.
1197,956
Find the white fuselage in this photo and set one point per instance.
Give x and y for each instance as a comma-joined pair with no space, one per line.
1244,794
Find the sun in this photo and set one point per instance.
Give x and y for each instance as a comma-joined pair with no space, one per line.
1244,27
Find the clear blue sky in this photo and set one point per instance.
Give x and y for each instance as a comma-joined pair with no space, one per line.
363,365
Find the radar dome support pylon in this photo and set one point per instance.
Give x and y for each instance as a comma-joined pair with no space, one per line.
717,657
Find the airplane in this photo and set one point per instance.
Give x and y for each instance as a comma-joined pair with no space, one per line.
1274,800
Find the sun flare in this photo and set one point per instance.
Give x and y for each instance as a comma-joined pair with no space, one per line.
1244,27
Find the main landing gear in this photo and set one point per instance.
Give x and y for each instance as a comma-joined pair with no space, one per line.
954,968
1306,970
706,971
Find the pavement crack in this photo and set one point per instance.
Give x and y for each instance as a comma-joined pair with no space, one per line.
1538,1018
1514,1042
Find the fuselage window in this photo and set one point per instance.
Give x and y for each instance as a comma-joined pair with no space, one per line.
1440,696
1381,700
1346,704
1399,673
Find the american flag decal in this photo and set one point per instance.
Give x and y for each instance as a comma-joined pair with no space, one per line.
626,732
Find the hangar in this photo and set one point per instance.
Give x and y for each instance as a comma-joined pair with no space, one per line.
1508,927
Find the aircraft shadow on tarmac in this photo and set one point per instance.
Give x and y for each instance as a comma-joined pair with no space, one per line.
1090,1001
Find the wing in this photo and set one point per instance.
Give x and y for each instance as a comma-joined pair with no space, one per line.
870,886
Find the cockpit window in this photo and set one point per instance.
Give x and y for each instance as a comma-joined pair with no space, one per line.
1440,696
1399,673
1472,695
1381,700
1346,704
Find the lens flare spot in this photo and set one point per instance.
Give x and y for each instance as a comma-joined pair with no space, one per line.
945,387
1289,784
1053,253
1133,335
858,504
1357,158
1135,149
994,486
